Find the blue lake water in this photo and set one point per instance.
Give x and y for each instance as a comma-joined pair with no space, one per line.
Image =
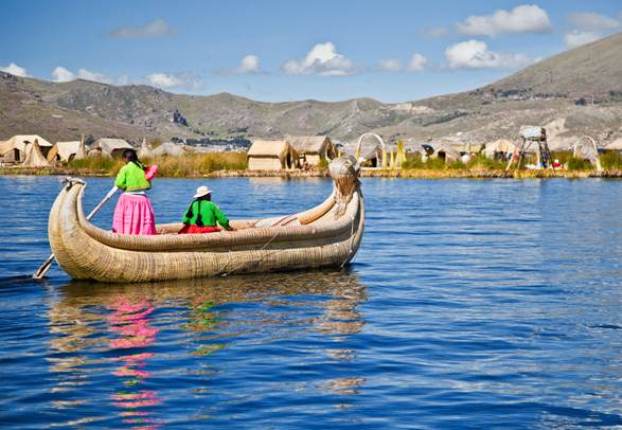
471,304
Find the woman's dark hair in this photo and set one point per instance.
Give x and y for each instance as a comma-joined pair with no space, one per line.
131,156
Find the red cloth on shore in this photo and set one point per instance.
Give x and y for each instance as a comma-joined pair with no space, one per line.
194,229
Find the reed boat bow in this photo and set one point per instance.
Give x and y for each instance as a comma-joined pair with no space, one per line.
327,235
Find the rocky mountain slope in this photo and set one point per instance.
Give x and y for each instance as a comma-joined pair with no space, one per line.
580,91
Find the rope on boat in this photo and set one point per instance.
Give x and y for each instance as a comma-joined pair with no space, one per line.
275,252
227,273
280,222
344,191
287,218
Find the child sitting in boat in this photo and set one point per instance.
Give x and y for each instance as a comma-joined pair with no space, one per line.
203,216
134,213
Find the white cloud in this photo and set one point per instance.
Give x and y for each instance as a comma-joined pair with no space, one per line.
390,65
155,28
164,80
522,19
60,74
590,21
577,38
474,54
323,59
16,70
93,76
122,80
249,64
181,80
417,63
590,26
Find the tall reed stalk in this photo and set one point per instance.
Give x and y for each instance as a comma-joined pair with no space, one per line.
168,166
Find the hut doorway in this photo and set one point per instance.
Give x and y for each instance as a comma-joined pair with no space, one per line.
289,160
371,149
373,162
16,155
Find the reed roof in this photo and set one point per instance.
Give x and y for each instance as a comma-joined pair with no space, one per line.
34,156
170,148
109,145
616,145
66,149
309,144
5,146
269,148
20,141
500,145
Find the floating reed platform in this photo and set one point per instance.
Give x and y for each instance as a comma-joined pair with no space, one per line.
369,173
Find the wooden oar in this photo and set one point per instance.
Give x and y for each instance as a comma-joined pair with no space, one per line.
43,269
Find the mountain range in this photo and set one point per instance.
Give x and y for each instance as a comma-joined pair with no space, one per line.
576,92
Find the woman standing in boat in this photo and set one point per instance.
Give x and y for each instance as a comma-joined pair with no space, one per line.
133,213
203,216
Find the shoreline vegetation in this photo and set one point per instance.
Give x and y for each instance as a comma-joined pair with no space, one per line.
233,164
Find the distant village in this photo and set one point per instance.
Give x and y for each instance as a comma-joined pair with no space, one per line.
308,152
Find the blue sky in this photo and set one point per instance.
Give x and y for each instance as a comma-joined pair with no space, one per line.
290,50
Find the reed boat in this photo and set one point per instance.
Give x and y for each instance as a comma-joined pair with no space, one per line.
327,235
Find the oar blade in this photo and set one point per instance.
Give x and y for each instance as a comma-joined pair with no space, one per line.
43,269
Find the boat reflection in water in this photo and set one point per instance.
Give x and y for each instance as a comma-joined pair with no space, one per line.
129,319
132,341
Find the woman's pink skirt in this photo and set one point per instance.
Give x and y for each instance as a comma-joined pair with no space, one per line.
133,215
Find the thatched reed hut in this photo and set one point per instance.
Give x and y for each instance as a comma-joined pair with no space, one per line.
313,149
616,145
14,149
34,157
67,151
472,148
371,149
413,146
376,157
9,154
501,149
170,149
586,149
271,155
446,151
108,147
